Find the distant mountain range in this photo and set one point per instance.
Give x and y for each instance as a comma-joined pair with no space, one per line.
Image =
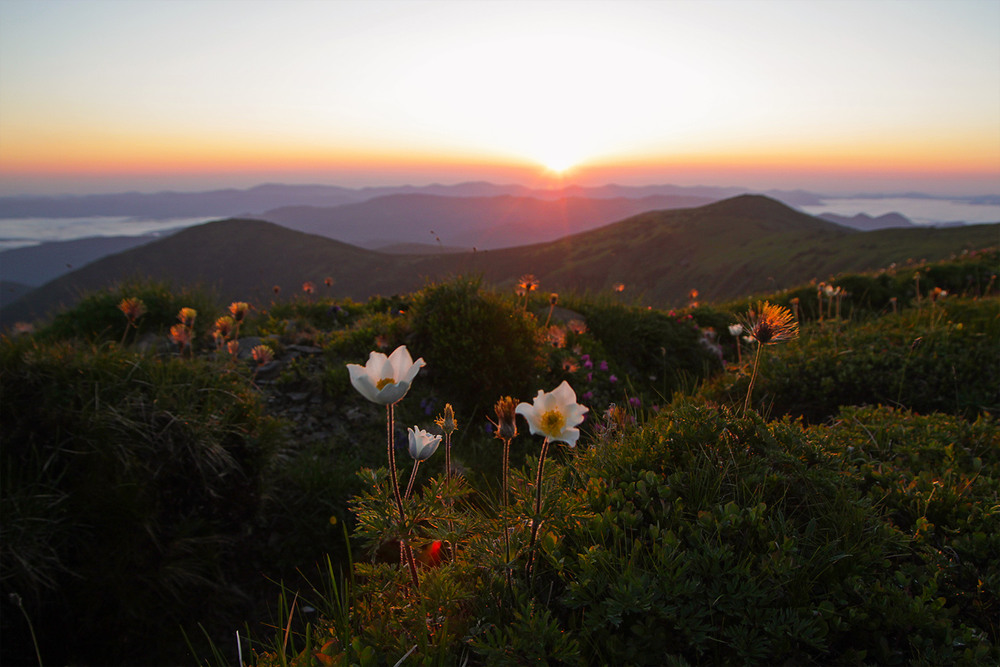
727,249
407,220
233,202
473,222
867,223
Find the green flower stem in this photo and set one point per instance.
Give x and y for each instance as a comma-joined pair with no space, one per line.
538,509
394,481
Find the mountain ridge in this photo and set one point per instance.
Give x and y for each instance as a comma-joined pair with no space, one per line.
728,249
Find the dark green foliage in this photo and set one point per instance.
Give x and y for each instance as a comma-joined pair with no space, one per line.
717,540
141,494
129,484
937,478
941,357
97,317
660,351
972,275
477,345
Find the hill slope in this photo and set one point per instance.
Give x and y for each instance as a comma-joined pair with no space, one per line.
480,222
239,259
728,249
37,265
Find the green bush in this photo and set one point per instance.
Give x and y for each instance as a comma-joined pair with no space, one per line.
129,486
477,345
937,478
96,317
940,358
661,352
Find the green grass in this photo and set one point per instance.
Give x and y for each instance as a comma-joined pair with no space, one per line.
849,518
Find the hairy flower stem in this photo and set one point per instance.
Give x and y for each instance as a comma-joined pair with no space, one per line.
413,476
753,378
538,510
447,456
394,481
506,503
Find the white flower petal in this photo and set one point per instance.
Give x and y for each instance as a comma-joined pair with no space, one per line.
393,392
564,394
401,361
362,382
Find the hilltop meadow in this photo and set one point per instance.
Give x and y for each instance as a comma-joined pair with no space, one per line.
189,482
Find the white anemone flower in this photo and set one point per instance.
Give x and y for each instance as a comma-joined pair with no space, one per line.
422,443
554,414
735,329
383,379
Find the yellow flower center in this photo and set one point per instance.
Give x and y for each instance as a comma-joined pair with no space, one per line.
552,423
383,383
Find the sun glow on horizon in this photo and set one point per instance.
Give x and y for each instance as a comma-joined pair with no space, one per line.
547,90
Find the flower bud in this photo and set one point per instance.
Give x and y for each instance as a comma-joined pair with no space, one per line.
506,418
447,420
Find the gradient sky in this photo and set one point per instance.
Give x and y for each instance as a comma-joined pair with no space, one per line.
839,96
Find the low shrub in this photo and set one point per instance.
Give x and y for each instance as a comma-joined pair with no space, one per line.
477,345
97,318
130,483
940,358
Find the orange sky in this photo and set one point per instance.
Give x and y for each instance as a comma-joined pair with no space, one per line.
834,96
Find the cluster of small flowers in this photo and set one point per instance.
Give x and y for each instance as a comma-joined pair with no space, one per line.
227,328
182,334
133,308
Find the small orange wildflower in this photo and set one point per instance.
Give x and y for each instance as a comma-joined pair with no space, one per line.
770,324
186,316
180,335
239,309
133,307
262,354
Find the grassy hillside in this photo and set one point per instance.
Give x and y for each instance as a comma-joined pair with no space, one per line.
482,222
152,490
740,246
733,248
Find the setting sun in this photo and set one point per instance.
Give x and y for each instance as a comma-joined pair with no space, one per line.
646,92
